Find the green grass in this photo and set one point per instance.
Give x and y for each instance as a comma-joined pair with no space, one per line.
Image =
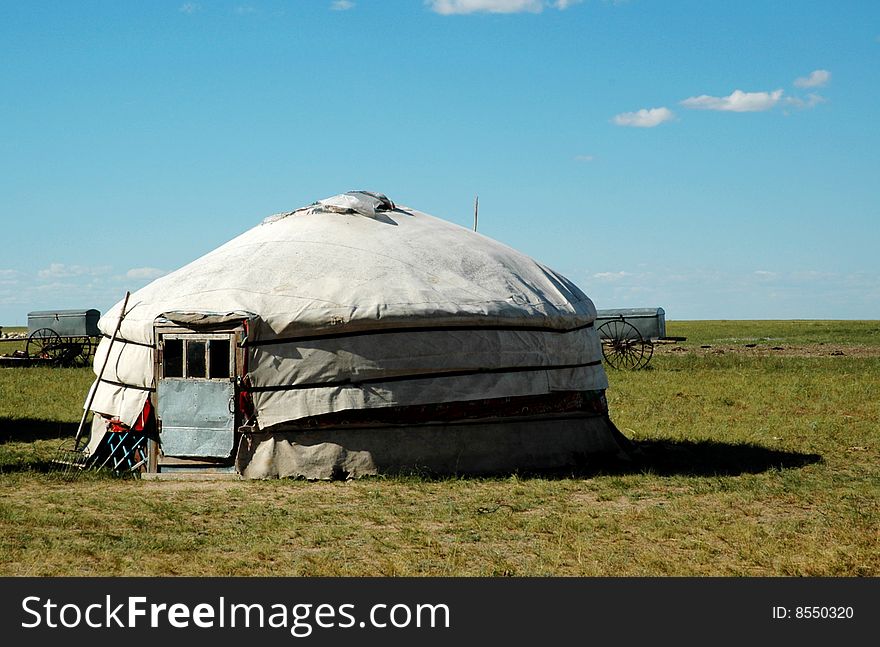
749,464
788,332
40,409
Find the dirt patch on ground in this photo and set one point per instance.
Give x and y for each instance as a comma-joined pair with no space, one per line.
636,501
773,349
177,485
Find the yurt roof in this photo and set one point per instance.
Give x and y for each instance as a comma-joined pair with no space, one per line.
358,261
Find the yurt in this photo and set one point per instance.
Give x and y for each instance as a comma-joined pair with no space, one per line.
347,338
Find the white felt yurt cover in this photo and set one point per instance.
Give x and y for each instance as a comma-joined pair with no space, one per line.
355,290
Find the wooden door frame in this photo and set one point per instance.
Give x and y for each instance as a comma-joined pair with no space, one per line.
236,331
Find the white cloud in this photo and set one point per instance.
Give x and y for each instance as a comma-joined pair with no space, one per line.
611,276
584,158
62,271
452,7
341,5
189,8
737,101
55,286
813,275
245,10
562,5
144,273
816,79
8,277
811,101
644,118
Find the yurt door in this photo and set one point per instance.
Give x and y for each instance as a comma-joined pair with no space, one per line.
195,398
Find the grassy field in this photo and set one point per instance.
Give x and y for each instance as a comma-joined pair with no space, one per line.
759,454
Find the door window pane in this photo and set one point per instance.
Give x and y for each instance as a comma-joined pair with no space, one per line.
218,352
195,359
172,358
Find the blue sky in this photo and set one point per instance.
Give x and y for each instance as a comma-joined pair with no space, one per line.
718,159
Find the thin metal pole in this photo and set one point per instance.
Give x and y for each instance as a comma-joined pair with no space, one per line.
91,398
476,210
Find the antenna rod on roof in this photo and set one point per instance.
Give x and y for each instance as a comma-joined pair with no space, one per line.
476,210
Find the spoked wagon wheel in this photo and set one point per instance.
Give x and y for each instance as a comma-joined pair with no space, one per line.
80,350
74,351
623,346
44,343
86,352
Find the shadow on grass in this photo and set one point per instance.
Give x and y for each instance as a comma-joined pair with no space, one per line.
706,458
27,430
38,466
658,457
663,458
61,473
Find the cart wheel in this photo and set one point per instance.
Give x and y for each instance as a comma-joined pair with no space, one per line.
74,351
85,352
44,343
647,353
623,346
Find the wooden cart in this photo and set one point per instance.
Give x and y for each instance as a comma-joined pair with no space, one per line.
62,337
